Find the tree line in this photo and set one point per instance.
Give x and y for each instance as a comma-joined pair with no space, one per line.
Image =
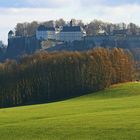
46,77
91,28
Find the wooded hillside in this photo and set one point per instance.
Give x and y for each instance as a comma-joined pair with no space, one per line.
45,77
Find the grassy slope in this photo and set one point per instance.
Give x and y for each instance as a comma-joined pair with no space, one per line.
113,114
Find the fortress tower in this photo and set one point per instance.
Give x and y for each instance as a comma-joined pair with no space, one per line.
11,34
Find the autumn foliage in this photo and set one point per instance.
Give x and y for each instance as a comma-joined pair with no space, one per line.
45,77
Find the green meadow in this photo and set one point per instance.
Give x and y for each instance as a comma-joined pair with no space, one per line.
112,114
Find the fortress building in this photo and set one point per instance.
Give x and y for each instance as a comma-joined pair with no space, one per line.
45,33
67,33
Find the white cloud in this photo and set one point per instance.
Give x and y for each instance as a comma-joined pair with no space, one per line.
36,3
10,16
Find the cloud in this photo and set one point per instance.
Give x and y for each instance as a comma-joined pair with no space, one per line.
62,3
109,3
34,3
15,11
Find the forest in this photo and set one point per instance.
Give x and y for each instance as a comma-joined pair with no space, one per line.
46,77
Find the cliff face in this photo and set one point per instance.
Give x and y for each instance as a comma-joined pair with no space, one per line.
114,41
2,54
19,46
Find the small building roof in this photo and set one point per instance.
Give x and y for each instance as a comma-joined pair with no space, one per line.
120,31
43,28
50,29
11,32
71,29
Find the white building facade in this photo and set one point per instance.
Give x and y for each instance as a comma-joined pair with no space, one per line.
71,33
44,33
66,33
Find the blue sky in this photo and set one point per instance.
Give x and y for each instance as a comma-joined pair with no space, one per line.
116,11
57,3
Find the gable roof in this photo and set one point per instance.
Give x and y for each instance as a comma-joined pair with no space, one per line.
71,29
50,28
120,31
43,28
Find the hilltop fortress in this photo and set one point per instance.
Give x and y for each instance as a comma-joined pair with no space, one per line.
68,37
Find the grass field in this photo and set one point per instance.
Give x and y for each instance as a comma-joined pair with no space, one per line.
112,114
